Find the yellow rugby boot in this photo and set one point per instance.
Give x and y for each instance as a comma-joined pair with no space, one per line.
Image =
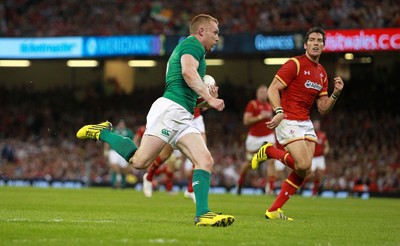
213,219
276,215
93,131
260,156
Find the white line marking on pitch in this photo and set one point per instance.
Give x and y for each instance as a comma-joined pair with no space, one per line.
59,220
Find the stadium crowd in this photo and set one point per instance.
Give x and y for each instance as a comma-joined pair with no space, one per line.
48,18
38,139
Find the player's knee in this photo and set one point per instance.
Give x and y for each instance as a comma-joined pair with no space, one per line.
139,164
207,163
303,166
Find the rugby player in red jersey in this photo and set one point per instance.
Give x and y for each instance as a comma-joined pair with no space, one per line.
299,83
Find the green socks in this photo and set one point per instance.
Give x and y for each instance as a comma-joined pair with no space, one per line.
123,180
123,145
114,179
201,187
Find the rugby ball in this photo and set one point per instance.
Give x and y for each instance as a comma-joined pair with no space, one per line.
208,80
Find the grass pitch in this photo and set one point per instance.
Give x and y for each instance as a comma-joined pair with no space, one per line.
102,216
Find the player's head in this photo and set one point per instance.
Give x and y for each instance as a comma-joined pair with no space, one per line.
262,93
121,124
315,29
205,28
314,42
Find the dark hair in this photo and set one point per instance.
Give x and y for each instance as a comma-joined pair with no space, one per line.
315,29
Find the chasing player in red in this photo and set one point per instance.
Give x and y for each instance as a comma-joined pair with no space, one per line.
318,162
258,111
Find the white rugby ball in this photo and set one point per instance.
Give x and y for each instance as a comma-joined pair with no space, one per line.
208,80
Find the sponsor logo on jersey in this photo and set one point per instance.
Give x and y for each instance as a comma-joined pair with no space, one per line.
312,85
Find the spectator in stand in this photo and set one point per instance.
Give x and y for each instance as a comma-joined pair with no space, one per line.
47,18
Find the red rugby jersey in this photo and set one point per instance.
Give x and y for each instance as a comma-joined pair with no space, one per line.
319,146
304,81
259,128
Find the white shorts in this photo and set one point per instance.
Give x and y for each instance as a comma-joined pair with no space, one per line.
318,163
169,121
253,143
292,130
279,166
115,158
198,122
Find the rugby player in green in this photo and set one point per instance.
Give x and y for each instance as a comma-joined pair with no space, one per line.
170,118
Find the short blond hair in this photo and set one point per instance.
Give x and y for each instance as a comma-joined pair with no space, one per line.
199,20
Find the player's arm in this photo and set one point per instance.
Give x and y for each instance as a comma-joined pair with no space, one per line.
274,98
324,103
249,119
191,76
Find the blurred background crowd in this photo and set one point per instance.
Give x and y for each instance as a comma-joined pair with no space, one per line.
37,128
30,18
38,137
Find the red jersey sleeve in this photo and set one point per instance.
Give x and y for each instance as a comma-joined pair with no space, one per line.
305,80
259,128
288,72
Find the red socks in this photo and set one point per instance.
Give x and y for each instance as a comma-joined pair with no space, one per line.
281,155
289,187
190,187
154,166
271,181
316,187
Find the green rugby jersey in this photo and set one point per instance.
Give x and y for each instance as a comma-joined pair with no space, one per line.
176,89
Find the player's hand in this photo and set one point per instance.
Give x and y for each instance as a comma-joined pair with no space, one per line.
275,121
266,114
338,85
216,103
213,90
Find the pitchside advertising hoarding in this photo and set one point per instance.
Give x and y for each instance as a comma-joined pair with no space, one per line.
80,47
148,45
358,40
363,40
34,48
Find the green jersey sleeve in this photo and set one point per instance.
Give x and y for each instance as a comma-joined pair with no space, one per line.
176,88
